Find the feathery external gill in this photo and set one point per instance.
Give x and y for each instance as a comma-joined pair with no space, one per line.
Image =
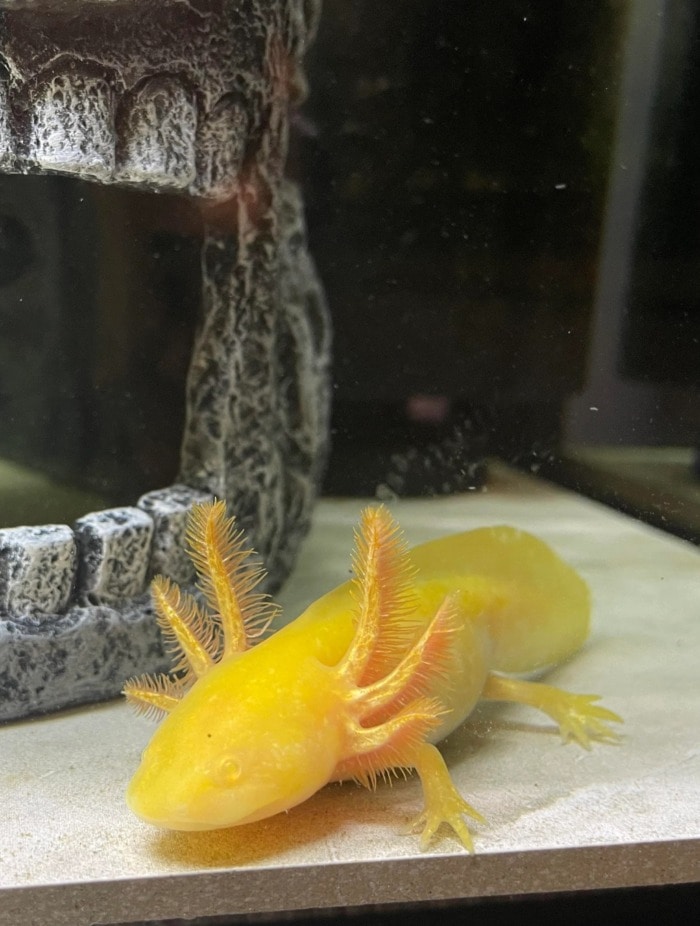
200,637
188,630
228,576
153,695
384,595
427,659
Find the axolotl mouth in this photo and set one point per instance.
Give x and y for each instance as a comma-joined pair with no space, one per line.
191,99
219,813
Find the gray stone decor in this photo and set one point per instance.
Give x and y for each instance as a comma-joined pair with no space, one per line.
77,618
192,97
166,94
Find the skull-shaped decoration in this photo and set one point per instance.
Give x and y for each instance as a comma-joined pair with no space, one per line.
192,97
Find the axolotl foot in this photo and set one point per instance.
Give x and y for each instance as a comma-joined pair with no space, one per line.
578,717
443,802
581,720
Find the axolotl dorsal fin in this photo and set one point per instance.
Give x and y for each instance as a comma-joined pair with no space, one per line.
235,616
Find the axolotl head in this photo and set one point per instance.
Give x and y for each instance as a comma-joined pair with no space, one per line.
239,747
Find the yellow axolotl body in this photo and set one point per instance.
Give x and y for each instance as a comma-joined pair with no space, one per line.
363,682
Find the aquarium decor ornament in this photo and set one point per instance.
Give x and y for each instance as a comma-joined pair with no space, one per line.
193,98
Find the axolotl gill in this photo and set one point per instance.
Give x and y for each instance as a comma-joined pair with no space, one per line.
362,684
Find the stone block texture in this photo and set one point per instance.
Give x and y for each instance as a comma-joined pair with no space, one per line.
37,569
115,548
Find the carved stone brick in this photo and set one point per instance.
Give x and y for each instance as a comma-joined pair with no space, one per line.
114,548
37,569
169,509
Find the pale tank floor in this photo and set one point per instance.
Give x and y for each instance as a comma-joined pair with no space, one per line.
558,818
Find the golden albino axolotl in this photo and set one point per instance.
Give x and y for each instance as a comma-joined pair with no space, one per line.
362,683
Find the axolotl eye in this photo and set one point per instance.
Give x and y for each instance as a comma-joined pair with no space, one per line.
226,772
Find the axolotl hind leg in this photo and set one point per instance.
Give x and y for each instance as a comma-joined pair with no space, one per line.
578,717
